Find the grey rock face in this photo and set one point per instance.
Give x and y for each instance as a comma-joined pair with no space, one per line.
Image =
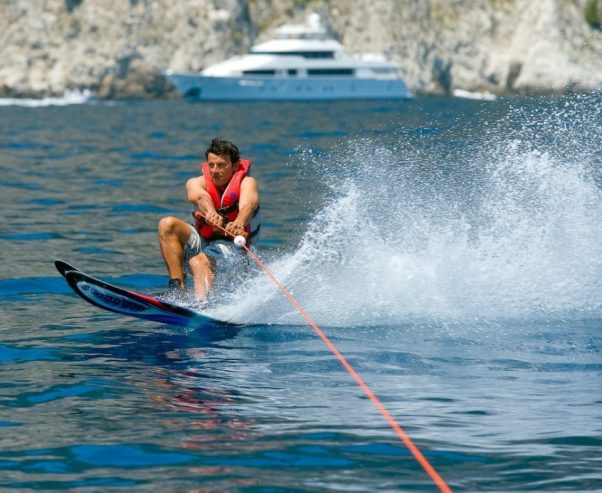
118,48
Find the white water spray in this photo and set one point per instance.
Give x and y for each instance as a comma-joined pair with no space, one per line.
510,229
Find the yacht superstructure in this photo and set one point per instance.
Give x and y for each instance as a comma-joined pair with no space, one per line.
300,63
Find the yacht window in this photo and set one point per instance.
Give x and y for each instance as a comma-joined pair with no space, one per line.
259,72
304,54
379,70
292,71
330,71
316,54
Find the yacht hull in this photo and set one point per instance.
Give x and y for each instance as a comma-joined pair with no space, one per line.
208,88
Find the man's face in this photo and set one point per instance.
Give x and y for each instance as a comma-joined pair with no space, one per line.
221,169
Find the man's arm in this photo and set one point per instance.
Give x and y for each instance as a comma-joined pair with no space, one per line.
197,194
247,205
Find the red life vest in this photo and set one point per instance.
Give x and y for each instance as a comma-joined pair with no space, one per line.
226,204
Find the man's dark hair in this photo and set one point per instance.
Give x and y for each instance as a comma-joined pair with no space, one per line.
221,146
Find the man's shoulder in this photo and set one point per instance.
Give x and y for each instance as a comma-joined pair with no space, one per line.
248,181
196,181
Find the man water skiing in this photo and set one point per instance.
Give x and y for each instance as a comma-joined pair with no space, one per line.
226,197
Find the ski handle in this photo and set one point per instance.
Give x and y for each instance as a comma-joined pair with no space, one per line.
200,215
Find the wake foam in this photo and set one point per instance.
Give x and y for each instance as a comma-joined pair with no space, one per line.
506,225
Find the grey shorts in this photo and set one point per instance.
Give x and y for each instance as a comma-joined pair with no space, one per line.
226,255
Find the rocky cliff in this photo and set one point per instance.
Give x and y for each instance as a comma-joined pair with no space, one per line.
118,48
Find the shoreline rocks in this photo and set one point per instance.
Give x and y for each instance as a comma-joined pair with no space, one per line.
118,49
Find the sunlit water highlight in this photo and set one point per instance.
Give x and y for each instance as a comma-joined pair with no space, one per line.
449,248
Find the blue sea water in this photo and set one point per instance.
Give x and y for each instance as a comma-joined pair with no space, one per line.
451,249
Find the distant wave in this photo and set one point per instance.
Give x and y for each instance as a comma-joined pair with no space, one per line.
69,97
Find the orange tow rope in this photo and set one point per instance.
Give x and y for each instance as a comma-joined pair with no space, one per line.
420,458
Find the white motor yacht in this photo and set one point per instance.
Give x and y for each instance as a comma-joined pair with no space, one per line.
300,63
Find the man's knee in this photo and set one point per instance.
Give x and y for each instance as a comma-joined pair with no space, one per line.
172,226
168,225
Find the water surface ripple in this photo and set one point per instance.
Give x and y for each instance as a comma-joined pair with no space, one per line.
449,248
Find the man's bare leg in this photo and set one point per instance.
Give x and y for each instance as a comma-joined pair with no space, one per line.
173,235
202,272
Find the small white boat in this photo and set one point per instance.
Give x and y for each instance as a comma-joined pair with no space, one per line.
300,63
483,95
